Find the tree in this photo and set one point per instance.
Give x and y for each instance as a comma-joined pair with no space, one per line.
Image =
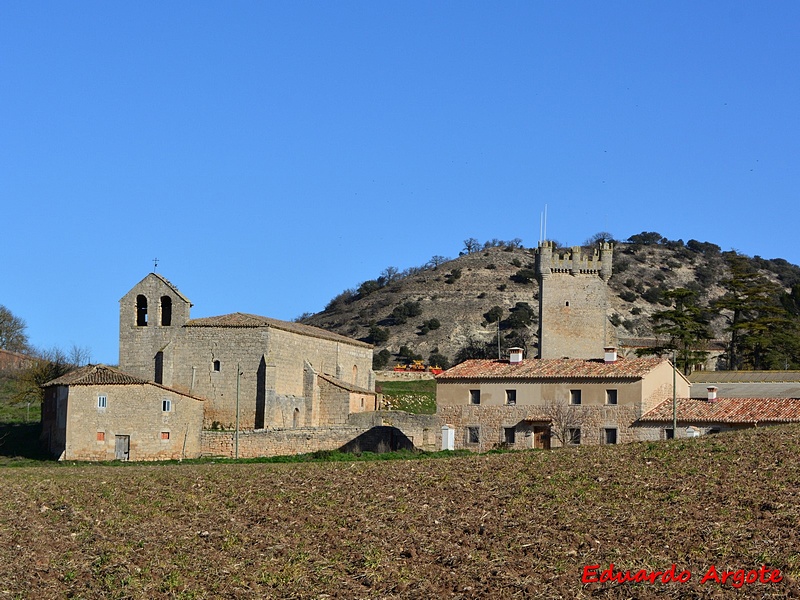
686,326
471,245
48,365
754,315
646,238
12,332
599,238
381,359
493,315
437,260
475,348
564,419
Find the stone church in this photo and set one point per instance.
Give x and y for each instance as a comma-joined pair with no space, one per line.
279,374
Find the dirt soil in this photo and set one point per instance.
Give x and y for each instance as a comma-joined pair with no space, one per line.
515,525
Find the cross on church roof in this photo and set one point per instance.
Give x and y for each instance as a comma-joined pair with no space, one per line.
155,264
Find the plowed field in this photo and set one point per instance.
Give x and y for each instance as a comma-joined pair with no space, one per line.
516,525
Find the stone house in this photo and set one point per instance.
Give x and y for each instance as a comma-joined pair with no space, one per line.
714,414
100,413
269,373
536,403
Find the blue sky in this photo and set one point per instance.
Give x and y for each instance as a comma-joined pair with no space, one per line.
273,154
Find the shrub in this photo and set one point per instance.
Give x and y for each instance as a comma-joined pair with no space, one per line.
381,359
524,276
516,262
452,276
491,266
502,287
615,320
377,335
521,316
493,315
628,296
438,360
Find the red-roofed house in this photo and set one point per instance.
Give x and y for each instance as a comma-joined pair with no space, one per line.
534,403
715,414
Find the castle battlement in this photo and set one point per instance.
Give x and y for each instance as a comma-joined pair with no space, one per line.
575,261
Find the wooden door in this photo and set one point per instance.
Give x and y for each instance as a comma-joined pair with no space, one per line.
541,437
122,447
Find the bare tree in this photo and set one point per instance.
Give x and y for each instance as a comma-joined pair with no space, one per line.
565,420
471,245
437,260
12,332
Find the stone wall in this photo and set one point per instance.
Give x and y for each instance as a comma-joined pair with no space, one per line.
131,410
573,303
365,432
202,360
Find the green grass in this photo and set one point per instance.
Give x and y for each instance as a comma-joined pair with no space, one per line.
413,396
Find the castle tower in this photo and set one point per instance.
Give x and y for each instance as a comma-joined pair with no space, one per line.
150,317
573,302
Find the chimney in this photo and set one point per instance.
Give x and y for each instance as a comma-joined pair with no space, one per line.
611,354
514,355
712,393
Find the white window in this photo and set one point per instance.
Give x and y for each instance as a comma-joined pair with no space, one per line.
102,402
166,405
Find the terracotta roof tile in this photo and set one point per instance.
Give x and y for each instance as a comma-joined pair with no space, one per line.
727,410
105,375
548,369
96,374
248,320
744,376
344,385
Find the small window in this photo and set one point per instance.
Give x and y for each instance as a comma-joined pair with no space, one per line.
611,396
102,402
509,435
575,397
101,436
511,397
669,433
574,436
474,396
166,405
362,401
217,366
610,435
165,436
473,435
566,303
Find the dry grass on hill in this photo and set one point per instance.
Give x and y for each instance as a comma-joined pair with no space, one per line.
518,525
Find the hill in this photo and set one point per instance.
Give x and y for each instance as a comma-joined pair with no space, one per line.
449,308
511,525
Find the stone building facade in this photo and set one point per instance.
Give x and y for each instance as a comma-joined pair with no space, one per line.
573,302
100,413
279,374
531,403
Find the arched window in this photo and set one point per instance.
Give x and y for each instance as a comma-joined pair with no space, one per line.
141,310
296,418
355,374
166,311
